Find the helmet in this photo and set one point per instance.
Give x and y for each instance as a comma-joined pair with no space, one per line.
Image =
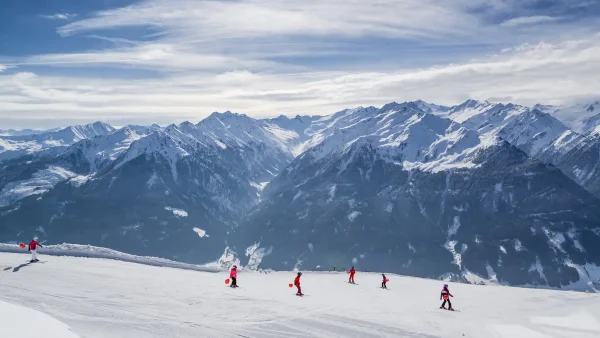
235,266
445,285
35,238
299,273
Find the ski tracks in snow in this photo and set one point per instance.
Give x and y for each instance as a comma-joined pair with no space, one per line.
101,298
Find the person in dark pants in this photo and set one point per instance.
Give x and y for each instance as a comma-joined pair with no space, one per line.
445,295
233,276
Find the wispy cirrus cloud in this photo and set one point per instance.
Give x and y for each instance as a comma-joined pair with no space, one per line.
312,56
528,20
527,74
59,16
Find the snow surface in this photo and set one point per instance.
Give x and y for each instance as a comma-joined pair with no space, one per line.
23,322
19,143
177,212
88,251
400,131
200,232
41,182
108,298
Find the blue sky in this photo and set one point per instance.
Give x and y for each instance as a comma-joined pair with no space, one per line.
71,61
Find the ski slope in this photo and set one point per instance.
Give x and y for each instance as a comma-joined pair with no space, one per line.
110,298
20,321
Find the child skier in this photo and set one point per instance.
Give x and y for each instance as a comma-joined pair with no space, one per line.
297,284
233,276
383,285
352,272
33,249
445,294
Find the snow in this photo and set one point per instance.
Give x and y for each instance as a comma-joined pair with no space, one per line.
88,251
353,215
158,146
453,229
519,246
255,255
152,180
41,182
25,143
259,186
79,180
20,321
101,298
200,232
177,212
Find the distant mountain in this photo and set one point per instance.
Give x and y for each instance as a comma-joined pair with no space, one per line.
23,132
531,130
581,118
19,145
412,187
174,192
406,191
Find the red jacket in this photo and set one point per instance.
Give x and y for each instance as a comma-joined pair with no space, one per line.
352,272
233,273
34,244
297,281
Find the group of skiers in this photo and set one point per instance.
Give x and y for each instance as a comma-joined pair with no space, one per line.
445,294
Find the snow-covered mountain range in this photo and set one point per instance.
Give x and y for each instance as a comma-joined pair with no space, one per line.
500,190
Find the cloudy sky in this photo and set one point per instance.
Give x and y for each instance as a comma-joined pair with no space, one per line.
123,61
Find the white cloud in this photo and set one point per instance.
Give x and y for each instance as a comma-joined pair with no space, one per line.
241,19
59,16
247,56
528,20
549,73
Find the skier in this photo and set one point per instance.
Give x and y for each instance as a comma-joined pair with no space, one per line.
352,272
33,249
233,276
383,285
445,294
297,284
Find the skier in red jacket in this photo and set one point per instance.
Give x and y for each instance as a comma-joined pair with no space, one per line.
352,272
297,284
33,249
233,276
445,294
384,281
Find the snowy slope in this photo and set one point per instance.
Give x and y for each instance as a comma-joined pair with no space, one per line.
531,130
404,134
105,298
19,145
581,118
41,182
20,321
102,149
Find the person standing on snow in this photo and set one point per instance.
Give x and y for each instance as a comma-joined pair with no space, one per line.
352,272
233,276
297,284
383,285
445,294
33,249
